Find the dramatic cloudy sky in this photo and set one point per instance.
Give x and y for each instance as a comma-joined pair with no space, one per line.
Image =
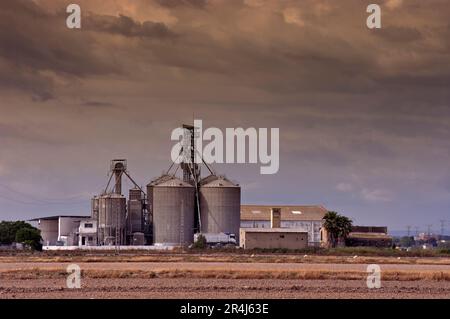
364,115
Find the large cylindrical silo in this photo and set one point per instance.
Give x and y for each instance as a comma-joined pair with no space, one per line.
220,206
172,205
111,219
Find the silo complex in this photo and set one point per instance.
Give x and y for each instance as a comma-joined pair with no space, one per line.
220,205
171,202
111,219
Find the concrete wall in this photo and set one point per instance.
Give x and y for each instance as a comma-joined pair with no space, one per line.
273,240
68,226
311,227
49,231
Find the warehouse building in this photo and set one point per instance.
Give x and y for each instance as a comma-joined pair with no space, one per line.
273,238
59,230
307,219
376,236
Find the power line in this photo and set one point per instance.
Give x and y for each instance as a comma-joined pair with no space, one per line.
32,199
442,221
19,201
417,230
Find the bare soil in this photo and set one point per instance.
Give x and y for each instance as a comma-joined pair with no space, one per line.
209,277
191,288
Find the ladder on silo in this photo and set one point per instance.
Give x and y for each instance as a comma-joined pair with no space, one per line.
117,239
182,223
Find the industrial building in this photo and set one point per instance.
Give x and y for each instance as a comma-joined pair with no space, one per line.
307,219
376,236
60,230
273,238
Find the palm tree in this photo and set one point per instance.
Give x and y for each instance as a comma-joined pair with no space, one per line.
337,226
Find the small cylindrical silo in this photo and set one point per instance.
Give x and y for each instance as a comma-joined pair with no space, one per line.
111,219
135,211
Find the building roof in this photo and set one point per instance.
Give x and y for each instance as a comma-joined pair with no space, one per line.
369,229
288,213
273,230
57,217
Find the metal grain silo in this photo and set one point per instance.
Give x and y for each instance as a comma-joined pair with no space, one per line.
135,217
172,205
111,219
220,205
94,207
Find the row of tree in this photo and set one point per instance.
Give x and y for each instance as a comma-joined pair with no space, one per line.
20,232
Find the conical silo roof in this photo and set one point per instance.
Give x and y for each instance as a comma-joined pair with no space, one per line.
217,181
169,181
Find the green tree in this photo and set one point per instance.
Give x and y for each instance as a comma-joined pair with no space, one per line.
30,237
9,229
337,226
21,232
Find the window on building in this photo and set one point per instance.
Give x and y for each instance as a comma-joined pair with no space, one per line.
88,225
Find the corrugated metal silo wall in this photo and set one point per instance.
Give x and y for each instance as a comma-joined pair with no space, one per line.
112,213
135,216
220,210
94,207
173,214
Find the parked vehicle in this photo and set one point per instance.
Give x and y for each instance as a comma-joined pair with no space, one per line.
218,239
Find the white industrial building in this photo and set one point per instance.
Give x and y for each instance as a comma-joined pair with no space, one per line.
64,230
87,233
302,218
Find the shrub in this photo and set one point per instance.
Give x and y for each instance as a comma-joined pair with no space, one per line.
200,243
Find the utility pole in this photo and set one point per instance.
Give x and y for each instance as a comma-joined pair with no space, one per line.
429,230
408,229
417,230
442,221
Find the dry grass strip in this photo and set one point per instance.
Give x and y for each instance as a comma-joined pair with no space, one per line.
37,273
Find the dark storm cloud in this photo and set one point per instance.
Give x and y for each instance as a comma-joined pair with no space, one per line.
367,108
97,104
291,56
22,133
177,3
399,34
36,48
127,27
